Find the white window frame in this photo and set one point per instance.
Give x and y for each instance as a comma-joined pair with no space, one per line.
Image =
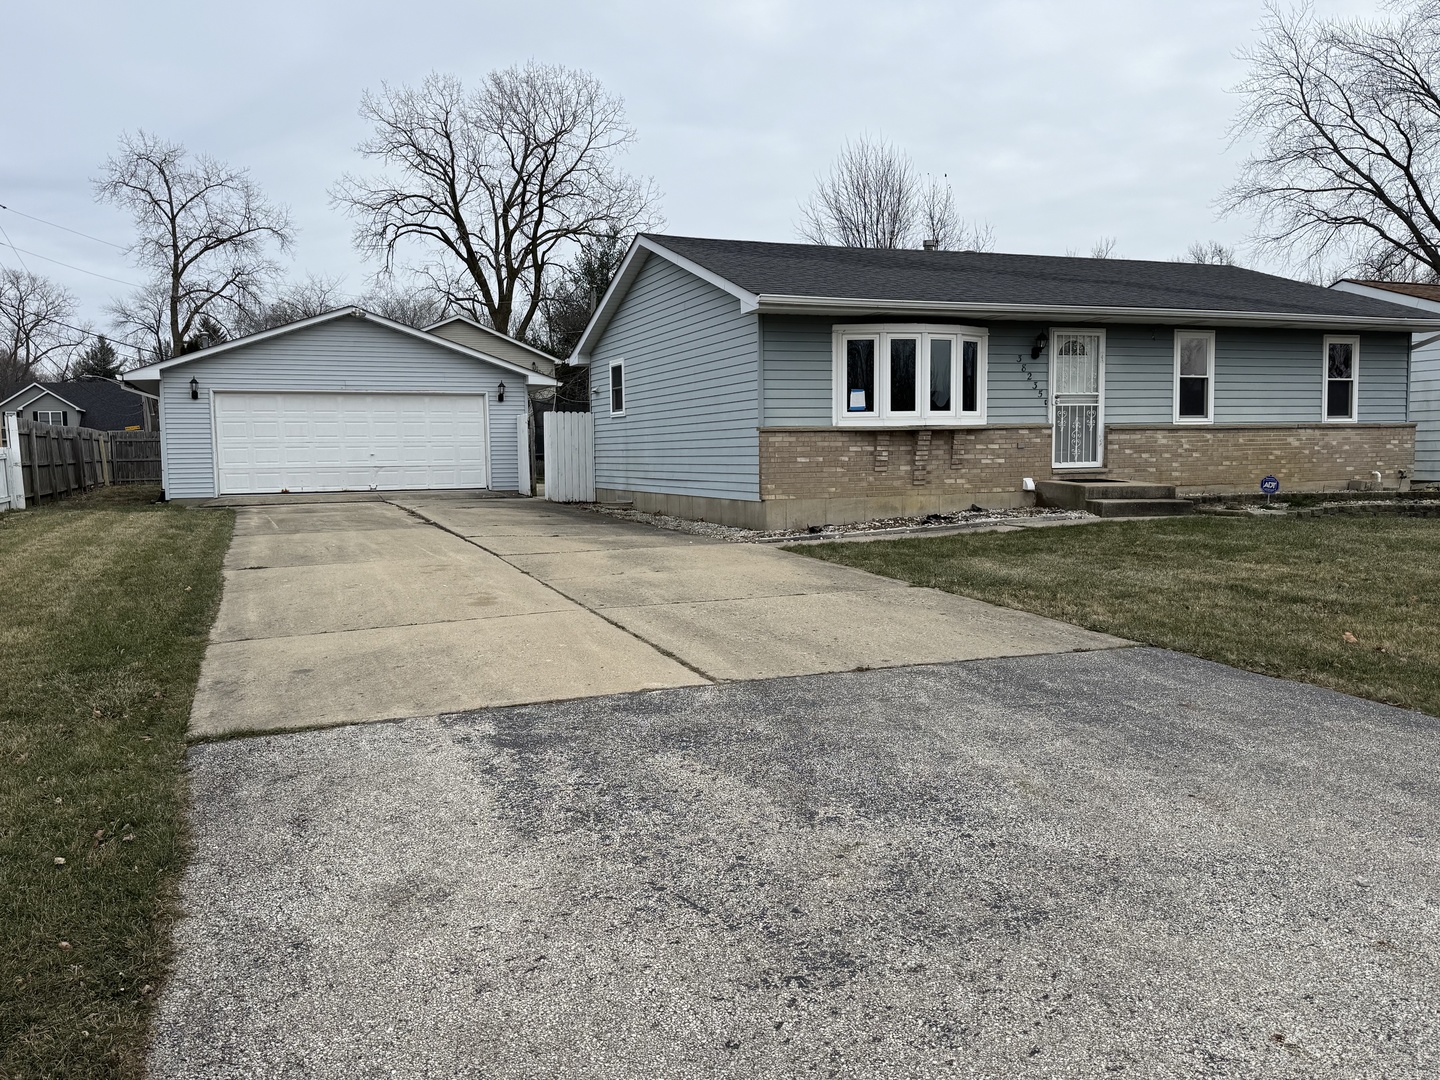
50,415
1354,342
1209,417
923,416
610,388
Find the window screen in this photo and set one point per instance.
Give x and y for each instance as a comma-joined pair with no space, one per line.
1340,381
942,364
903,352
970,377
860,375
617,388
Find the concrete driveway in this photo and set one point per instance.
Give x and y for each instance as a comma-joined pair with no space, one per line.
1115,863
339,610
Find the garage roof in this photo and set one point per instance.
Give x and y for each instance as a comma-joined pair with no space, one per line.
152,373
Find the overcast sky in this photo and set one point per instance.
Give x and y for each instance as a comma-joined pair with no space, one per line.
1058,122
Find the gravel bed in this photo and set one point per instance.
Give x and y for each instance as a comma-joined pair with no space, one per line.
737,535
1368,507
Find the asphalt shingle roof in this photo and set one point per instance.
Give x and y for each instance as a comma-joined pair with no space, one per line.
960,277
107,405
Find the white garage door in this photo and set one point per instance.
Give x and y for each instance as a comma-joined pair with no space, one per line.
268,442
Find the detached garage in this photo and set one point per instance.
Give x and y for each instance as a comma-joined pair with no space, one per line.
346,401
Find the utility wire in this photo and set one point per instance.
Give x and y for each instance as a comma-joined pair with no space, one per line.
69,266
65,228
13,247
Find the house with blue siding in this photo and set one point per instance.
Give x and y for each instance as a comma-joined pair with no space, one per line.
784,385
1424,365
345,401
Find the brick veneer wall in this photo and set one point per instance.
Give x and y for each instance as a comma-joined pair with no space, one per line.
838,463
1226,457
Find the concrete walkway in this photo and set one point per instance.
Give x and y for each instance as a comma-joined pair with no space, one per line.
345,611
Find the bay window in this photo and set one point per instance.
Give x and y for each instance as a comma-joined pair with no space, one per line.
904,375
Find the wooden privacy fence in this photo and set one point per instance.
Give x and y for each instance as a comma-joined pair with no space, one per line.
570,457
134,457
45,461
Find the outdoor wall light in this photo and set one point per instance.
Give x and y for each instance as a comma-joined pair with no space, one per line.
1039,346
501,395
194,390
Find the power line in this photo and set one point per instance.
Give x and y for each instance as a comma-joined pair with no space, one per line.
13,247
69,266
65,228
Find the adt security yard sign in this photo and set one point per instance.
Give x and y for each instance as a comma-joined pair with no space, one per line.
1270,485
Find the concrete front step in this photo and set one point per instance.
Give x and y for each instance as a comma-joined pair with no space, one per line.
1074,494
1139,507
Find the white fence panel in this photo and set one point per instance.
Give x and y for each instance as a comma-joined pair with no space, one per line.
12,479
570,456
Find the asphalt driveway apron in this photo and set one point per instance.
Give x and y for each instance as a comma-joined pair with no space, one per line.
338,612
1116,863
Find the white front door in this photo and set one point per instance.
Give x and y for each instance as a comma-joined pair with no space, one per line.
272,442
1077,391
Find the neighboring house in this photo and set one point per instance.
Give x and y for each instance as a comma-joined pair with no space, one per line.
1424,365
787,384
481,338
101,404
341,402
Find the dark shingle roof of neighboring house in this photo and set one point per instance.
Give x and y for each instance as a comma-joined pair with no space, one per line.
107,406
982,278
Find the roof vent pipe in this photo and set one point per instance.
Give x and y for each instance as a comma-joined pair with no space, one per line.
931,245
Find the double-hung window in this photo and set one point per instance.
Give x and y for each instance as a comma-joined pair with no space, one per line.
1342,362
902,375
617,388
1194,376
42,417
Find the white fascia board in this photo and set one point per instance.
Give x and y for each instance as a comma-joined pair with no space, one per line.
642,248
155,371
491,330
39,390
1388,295
809,305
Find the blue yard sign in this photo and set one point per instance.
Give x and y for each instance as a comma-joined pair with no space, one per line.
1270,485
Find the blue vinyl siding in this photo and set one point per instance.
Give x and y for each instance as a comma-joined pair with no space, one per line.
797,370
1425,410
692,393
344,354
1016,382
1139,374
1261,376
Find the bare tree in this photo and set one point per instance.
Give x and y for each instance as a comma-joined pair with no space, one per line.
413,304
292,302
574,296
1347,116
204,234
35,335
874,198
142,321
1211,253
496,185
1104,248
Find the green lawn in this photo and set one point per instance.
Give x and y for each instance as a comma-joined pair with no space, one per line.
105,603
1276,596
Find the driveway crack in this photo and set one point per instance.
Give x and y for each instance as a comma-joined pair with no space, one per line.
419,516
